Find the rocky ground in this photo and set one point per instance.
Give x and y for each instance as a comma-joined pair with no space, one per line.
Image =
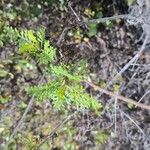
107,48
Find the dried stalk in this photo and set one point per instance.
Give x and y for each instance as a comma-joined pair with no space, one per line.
127,100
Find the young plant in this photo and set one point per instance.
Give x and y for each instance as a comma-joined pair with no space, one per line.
64,87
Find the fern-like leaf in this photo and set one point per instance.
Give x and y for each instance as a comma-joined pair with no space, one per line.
63,95
28,42
9,35
47,91
62,72
78,96
48,53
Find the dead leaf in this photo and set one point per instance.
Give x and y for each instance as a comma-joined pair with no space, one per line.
2,106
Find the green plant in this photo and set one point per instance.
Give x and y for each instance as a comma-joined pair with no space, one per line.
8,35
63,87
92,29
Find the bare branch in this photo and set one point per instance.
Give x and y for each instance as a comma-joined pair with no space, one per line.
23,116
127,100
136,57
127,116
99,20
74,12
55,130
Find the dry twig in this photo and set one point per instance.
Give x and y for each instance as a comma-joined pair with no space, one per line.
23,116
55,130
127,100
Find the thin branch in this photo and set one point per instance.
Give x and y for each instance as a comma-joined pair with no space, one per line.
136,57
127,116
74,12
55,130
126,16
143,96
115,117
127,100
140,20
23,116
61,36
